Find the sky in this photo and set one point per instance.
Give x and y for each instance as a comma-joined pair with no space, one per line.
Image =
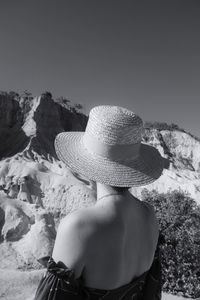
142,55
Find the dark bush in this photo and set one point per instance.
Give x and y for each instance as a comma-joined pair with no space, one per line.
179,219
63,102
46,95
26,95
10,95
78,106
163,126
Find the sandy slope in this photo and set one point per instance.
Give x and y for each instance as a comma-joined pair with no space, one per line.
18,285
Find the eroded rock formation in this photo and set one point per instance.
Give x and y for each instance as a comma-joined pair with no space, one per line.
37,189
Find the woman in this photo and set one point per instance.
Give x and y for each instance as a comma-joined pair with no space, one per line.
107,251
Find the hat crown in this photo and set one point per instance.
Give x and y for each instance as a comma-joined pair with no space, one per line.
114,125
110,150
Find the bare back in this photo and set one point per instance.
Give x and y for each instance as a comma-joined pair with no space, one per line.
124,238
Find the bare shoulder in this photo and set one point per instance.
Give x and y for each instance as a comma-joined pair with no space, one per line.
72,241
74,219
75,226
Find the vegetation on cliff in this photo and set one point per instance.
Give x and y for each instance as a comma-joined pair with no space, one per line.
179,220
170,127
27,96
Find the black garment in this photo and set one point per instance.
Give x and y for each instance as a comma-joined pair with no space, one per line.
59,283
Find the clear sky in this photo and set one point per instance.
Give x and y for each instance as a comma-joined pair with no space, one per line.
143,55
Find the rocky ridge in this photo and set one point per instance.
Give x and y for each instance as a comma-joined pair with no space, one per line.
183,154
37,189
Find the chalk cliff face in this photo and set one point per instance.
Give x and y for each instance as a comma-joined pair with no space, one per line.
37,189
183,153
33,124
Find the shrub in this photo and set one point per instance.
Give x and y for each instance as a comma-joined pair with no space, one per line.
78,106
10,95
46,95
179,220
26,95
165,126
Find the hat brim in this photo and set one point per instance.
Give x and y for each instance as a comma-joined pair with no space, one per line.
145,169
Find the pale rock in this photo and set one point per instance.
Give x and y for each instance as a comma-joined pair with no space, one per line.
10,258
39,241
16,223
2,221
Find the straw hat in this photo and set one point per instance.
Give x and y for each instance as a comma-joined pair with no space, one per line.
110,150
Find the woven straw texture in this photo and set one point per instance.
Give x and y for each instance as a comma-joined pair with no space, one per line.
111,125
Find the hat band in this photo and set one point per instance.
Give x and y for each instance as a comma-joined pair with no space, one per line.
112,152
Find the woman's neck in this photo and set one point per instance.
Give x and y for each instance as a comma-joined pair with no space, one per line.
106,190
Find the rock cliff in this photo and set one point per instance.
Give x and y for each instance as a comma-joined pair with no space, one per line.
37,189
183,153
